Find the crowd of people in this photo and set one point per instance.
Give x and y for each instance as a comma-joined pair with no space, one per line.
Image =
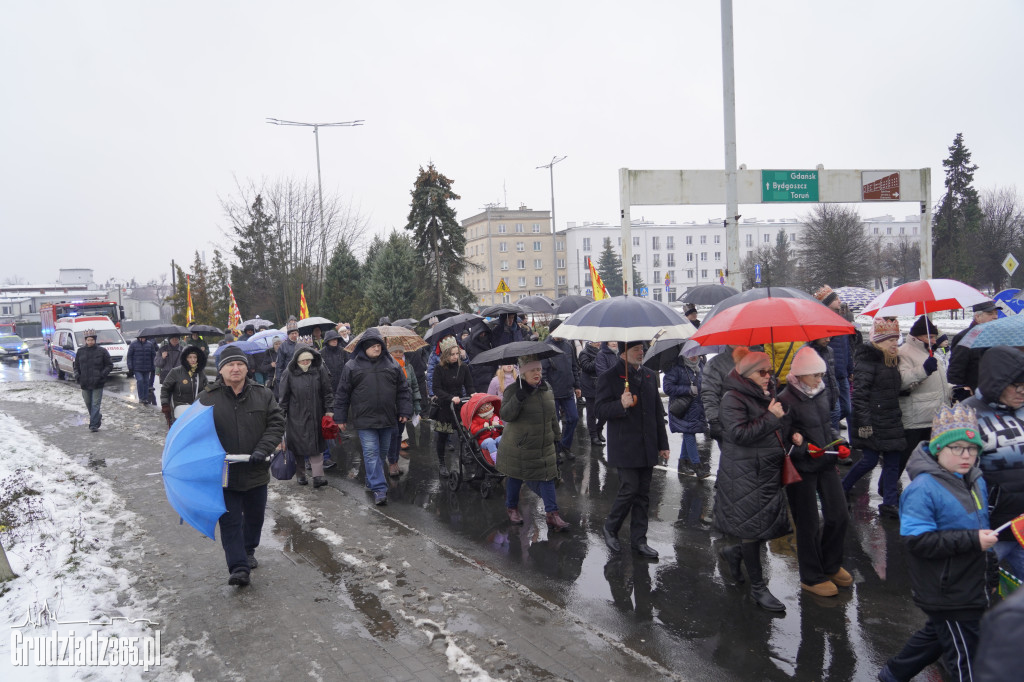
949,416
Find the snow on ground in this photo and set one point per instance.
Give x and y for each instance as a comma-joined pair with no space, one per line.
64,529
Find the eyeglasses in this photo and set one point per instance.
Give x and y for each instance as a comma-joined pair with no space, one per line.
961,450
818,375
764,372
1018,387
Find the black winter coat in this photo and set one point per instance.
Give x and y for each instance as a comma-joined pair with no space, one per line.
371,393
173,359
334,359
637,434
1002,631
248,422
964,362
588,370
749,502
451,381
180,387
305,398
606,359
141,356
562,372
92,366
284,356
811,417
678,382
480,341
417,361
831,385
876,401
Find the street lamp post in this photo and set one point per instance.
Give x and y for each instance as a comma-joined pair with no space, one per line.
316,135
551,170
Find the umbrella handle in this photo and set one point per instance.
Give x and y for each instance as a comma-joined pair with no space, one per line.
236,458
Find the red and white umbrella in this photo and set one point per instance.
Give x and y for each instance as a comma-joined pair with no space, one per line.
924,296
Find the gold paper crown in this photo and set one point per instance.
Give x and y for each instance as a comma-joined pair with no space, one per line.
951,424
823,293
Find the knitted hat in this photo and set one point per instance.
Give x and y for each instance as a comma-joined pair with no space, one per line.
248,328
486,409
553,325
302,355
953,424
292,326
922,327
826,295
748,362
806,361
231,354
447,343
884,329
395,345
691,309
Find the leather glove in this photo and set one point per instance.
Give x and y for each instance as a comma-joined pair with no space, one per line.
961,393
930,365
716,429
168,415
259,458
865,432
844,452
814,451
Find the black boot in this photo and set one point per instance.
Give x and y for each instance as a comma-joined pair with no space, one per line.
733,557
758,589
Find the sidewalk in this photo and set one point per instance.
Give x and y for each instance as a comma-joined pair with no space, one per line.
342,590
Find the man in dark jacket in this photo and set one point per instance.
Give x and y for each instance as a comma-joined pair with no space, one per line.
168,356
284,355
964,362
588,386
713,388
691,314
372,396
1002,631
507,331
92,367
141,358
637,440
562,372
334,356
480,341
247,333
248,420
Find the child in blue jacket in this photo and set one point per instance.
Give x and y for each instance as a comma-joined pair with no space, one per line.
944,523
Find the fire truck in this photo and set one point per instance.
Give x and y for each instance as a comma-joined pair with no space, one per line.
49,313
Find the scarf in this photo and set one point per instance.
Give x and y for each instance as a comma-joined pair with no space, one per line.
795,382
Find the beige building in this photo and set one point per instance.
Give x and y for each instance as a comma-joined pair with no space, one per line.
517,246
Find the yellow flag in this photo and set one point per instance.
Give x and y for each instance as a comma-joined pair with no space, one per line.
303,308
189,314
596,283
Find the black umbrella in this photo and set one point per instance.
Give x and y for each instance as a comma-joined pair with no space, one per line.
625,318
439,314
707,294
504,309
538,304
205,330
663,353
451,326
406,322
508,353
163,331
571,303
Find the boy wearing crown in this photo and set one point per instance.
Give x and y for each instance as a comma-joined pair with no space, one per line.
944,523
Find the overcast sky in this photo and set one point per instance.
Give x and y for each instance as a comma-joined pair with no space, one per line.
123,124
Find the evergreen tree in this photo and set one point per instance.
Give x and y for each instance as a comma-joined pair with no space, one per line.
439,240
609,268
260,260
218,278
390,287
782,264
958,217
178,297
835,249
342,293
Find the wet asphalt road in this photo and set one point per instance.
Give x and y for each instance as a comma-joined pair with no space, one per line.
680,611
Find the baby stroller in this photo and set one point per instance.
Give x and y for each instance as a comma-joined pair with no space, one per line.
474,466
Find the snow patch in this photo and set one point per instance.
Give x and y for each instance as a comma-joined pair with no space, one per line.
459,661
329,536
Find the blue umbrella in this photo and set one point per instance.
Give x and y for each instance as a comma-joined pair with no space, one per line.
193,469
247,347
1008,331
266,337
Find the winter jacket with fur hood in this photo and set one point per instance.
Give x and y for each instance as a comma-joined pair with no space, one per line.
922,394
305,398
876,401
181,386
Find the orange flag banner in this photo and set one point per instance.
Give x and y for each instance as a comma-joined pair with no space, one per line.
303,308
595,282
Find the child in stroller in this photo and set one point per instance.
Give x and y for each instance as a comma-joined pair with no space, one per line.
486,427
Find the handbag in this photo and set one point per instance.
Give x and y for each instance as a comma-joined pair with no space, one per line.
789,472
679,404
282,465
433,410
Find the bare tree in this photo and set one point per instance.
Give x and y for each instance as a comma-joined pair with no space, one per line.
902,259
1000,231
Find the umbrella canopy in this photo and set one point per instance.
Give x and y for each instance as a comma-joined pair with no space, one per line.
1007,331
503,309
508,353
538,304
406,338
193,468
306,326
855,298
924,296
266,337
257,322
662,354
439,314
772,320
454,325
405,322
163,331
247,347
205,330
708,294
625,318
571,303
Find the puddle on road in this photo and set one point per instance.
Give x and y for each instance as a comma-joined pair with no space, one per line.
304,546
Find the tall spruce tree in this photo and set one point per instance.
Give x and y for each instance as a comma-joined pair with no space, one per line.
259,257
836,249
390,287
609,268
439,240
342,293
958,217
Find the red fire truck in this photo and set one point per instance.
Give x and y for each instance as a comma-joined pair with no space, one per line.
49,313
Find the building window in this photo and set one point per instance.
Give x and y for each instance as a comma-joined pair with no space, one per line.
636,241
657,275
655,243
703,274
520,265
504,265
561,280
902,229
559,245
560,264
536,227
522,282
501,228
657,294
519,227
703,255
538,281
689,257
586,243
538,264
656,260
792,237
670,243
875,231
718,239
671,295
703,239
767,239
689,274
636,258
689,239
888,230
586,278
520,246
537,246
618,242
670,276
670,260
503,247
750,240
718,255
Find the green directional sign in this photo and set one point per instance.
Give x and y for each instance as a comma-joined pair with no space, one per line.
789,185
